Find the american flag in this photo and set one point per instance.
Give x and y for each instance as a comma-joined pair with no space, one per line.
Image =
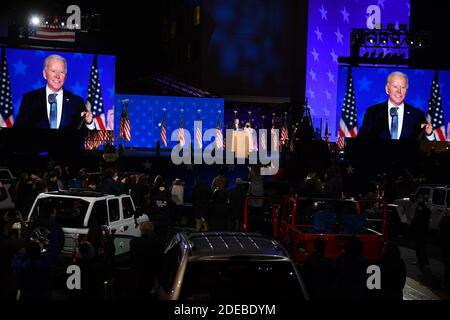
284,132
163,130
274,142
219,136
125,129
6,104
198,132
327,133
51,34
435,114
96,138
348,123
95,99
263,140
181,131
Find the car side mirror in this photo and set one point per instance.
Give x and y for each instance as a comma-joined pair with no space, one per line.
138,212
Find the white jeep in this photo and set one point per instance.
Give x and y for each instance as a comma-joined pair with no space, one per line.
437,199
77,209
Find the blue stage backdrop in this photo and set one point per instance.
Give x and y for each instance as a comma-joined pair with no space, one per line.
329,26
369,87
146,114
25,71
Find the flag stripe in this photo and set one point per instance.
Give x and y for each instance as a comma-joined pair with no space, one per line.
51,34
435,113
348,122
6,103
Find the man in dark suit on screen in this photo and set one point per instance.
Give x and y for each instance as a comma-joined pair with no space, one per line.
53,107
395,119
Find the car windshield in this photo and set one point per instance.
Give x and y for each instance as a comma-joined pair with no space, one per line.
337,216
5,177
244,280
70,212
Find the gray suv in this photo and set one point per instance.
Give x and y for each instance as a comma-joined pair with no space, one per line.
228,265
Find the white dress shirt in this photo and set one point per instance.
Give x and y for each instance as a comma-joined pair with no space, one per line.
59,108
401,113
59,104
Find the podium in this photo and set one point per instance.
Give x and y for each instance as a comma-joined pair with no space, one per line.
240,144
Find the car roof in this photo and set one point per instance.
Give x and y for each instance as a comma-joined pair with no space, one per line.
212,245
443,186
80,193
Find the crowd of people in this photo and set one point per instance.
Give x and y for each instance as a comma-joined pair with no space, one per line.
213,206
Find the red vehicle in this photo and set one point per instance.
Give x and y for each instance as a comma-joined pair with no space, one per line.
297,222
336,221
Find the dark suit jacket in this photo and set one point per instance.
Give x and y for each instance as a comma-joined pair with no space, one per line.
33,111
375,124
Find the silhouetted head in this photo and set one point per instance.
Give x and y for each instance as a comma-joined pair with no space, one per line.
147,228
390,249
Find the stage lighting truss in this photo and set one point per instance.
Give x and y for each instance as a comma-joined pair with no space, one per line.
390,38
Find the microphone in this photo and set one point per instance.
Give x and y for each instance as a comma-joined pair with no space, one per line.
51,98
83,117
392,112
82,121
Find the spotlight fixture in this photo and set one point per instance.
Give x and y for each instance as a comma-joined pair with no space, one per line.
383,38
371,38
395,38
35,20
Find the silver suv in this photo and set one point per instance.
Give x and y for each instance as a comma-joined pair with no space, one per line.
224,265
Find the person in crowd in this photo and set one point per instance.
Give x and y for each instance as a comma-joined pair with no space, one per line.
177,195
236,125
256,206
52,182
95,274
3,194
53,107
313,186
220,181
444,239
317,271
393,273
219,212
350,274
23,193
146,258
33,267
177,192
419,229
103,242
201,195
110,183
162,208
333,184
11,241
395,119
237,201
